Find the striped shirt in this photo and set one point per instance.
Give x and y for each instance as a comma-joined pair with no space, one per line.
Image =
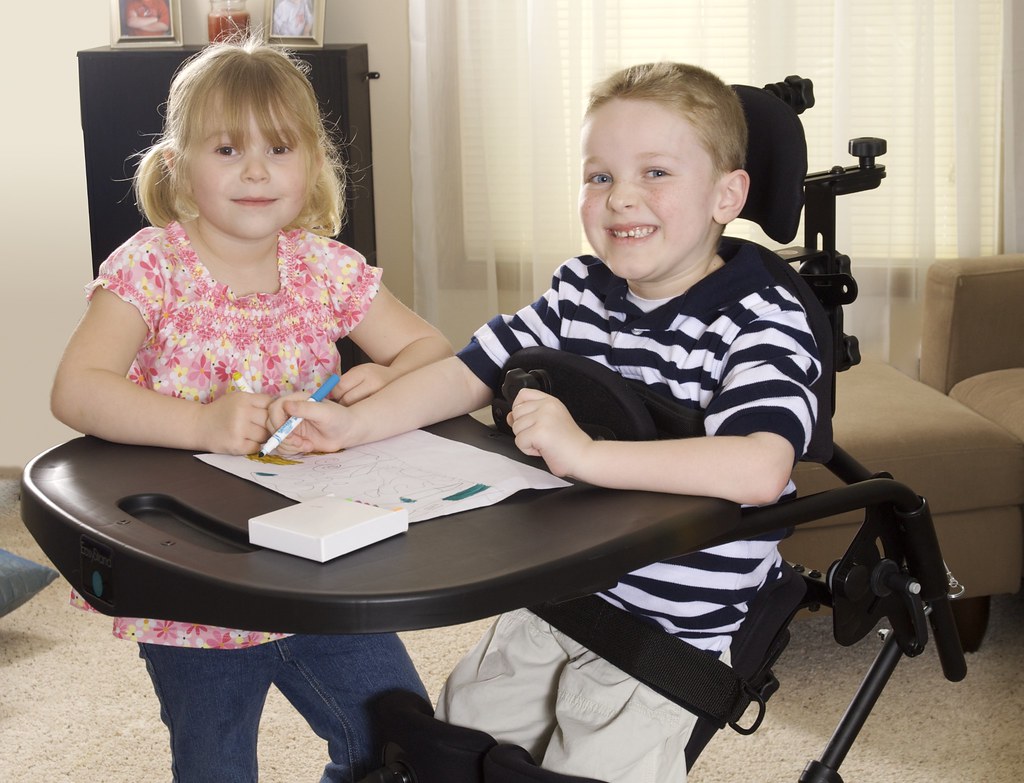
736,346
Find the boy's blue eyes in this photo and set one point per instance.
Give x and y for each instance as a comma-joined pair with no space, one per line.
604,179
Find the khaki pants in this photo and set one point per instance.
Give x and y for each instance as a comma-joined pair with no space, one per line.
528,684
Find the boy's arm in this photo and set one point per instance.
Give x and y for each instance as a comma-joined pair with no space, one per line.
752,469
92,394
436,392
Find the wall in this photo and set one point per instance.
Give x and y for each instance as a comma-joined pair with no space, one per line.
43,217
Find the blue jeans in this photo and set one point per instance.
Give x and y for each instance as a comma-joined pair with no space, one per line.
211,700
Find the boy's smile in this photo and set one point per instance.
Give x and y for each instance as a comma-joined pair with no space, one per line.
651,204
633,233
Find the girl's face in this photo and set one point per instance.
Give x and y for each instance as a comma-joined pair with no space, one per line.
248,193
650,199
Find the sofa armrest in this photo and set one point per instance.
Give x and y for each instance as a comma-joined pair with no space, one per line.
973,318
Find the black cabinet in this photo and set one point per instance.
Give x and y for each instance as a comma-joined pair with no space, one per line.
122,95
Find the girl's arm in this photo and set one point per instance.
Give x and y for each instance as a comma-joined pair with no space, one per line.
396,340
92,394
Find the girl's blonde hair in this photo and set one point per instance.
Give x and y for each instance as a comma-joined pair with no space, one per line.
710,106
223,88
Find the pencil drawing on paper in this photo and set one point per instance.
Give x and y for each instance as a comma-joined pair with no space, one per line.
371,476
427,475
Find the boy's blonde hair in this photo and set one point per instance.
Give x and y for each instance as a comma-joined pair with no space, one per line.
222,88
705,101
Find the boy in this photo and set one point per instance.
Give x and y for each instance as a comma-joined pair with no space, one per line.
663,149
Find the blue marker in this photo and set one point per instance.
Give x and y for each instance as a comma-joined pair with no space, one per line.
285,429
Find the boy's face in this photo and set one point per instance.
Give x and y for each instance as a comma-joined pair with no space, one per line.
650,203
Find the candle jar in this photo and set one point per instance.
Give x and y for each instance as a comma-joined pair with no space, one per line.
227,19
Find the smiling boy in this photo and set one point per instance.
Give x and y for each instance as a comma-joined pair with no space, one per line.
663,151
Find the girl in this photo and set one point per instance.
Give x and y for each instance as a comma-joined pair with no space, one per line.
236,288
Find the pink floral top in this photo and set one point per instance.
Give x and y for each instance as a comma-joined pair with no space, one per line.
200,334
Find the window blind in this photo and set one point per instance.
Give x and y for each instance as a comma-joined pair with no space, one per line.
894,71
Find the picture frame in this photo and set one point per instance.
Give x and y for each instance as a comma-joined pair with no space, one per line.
296,24
139,23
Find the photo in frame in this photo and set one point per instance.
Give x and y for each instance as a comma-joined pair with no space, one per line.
145,23
296,24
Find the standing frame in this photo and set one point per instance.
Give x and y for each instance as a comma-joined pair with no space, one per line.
296,24
145,23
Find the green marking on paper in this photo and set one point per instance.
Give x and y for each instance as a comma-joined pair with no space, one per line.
468,492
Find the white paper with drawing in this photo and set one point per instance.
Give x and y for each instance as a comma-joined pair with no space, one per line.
429,475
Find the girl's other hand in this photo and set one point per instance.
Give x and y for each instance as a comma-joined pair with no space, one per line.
235,423
362,381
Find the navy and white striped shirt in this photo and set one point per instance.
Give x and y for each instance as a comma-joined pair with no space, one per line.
737,346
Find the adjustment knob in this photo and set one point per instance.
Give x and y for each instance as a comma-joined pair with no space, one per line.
796,91
851,581
866,149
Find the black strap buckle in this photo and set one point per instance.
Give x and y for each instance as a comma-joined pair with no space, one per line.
753,696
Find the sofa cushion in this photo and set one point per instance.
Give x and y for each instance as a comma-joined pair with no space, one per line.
966,302
997,395
956,458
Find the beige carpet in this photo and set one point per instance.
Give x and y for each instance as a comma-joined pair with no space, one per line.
76,704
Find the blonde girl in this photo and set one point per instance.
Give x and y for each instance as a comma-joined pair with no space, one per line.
233,296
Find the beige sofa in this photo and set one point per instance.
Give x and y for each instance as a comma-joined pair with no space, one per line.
956,437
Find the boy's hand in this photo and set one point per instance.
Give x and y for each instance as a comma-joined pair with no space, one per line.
235,423
544,428
325,426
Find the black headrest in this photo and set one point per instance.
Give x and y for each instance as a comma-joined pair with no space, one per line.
776,162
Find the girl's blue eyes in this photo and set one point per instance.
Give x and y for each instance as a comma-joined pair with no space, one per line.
228,150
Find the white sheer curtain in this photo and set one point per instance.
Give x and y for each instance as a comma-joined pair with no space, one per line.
499,86
1013,128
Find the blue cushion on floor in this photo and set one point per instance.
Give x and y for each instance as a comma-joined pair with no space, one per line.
20,579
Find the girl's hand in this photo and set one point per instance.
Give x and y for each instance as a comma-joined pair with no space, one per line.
235,423
543,428
362,381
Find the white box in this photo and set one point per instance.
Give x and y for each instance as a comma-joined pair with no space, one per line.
325,528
